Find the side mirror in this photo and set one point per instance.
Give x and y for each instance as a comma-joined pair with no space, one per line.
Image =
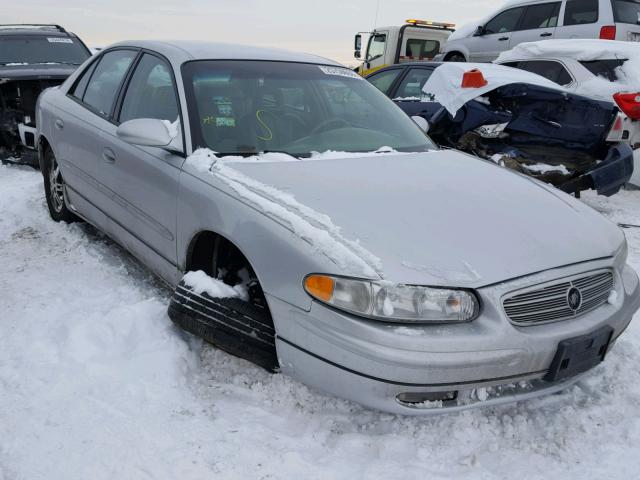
357,45
146,132
479,31
421,122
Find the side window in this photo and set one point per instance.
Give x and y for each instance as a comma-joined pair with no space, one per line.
550,70
580,12
504,22
418,49
544,15
411,86
106,79
81,85
151,92
383,80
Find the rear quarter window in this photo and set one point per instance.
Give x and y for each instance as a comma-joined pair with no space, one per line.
604,68
581,12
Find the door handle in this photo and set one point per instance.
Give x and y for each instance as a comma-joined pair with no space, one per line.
59,124
546,34
108,155
502,39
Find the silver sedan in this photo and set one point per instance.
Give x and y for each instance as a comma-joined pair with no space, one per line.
308,225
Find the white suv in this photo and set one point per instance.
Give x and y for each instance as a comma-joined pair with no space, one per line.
529,21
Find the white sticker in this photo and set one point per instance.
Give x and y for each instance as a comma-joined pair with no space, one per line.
339,71
59,40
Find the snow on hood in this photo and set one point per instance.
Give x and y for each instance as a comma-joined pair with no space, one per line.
444,85
437,218
315,228
586,51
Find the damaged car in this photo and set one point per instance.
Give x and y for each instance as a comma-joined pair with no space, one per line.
307,224
32,59
517,119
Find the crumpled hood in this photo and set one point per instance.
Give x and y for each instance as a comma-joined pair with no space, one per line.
443,218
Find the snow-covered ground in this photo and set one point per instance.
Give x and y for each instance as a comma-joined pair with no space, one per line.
96,383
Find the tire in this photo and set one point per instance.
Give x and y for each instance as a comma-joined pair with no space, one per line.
455,57
231,324
54,190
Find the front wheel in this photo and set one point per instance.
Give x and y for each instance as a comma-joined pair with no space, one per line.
54,190
456,57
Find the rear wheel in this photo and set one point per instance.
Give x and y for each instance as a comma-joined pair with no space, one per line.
54,190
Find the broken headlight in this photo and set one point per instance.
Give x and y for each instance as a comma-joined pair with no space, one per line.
491,131
393,303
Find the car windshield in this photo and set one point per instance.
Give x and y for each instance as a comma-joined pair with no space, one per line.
41,49
247,107
626,11
604,68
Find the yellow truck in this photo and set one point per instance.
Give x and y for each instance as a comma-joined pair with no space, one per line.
416,40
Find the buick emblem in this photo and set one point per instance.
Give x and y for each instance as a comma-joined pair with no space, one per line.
574,298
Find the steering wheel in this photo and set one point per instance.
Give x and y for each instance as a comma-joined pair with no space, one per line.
327,123
301,123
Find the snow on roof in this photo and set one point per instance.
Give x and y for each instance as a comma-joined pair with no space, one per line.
445,82
580,49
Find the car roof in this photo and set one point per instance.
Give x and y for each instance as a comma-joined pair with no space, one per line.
34,30
179,51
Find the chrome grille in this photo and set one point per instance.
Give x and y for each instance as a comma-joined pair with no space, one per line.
550,303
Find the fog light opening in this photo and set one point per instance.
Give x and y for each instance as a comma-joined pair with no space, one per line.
427,399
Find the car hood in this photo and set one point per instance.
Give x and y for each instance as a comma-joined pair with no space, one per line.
36,72
440,218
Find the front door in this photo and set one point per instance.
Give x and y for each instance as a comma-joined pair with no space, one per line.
145,180
496,36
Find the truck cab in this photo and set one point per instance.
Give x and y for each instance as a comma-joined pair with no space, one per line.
416,40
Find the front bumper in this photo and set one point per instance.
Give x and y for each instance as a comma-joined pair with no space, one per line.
484,362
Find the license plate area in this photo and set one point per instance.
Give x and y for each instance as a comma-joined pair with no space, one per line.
579,354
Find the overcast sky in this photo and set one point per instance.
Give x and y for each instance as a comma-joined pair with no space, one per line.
323,27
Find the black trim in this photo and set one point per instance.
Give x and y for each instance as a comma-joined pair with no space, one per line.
171,262
81,102
393,382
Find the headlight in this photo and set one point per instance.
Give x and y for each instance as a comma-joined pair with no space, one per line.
393,303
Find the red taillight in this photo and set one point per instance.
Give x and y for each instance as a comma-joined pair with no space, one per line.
473,79
608,32
629,103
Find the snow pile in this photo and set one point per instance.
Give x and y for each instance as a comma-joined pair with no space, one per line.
200,283
444,85
541,168
315,228
96,383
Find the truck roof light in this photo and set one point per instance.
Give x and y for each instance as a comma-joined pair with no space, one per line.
429,23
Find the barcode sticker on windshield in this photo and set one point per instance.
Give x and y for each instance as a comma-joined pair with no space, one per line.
339,71
59,40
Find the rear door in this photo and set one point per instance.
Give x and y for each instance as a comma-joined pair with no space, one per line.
78,128
496,37
144,180
538,23
549,69
580,19
385,80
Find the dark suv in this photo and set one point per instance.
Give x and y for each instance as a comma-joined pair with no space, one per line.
32,58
